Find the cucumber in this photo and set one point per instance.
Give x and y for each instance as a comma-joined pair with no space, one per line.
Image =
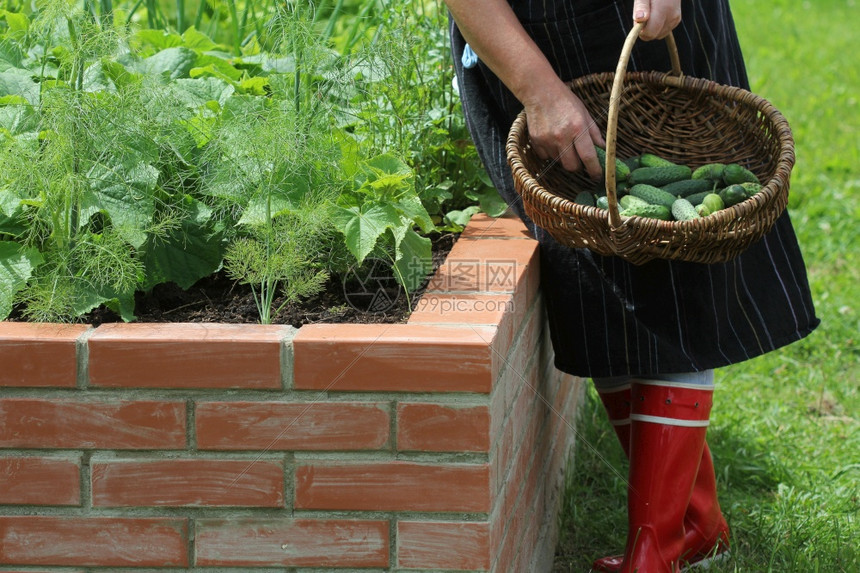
629,201
651,160
584,198
659,176
650,211
712,171
703,210
602,202
713,202
653,195
688,187
697,198
736,174
683,210
621,169
632,162
752,188
733,194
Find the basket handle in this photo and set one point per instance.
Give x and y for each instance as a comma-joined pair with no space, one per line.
612,119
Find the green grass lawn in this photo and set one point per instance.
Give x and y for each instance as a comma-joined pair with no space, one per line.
785,430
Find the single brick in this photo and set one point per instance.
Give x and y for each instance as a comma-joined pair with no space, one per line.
94,541
393,486
187,482
292,543
442,428
272,426
443,545
40,481
63,423
186,356
394,357
39,355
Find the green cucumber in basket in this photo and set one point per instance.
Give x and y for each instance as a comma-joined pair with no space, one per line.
697,198
711,171
683,210
687,187
621,169
659,176
629,201
734,194
650,211
584,198
652,195
713,202
736,174
651,160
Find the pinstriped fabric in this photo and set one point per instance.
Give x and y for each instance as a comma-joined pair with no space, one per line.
610,318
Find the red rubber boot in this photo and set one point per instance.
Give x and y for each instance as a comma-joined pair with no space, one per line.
668,422
616,402
706,530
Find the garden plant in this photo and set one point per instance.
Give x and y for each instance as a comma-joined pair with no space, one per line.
280,143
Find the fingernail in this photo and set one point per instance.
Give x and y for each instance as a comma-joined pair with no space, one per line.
639,14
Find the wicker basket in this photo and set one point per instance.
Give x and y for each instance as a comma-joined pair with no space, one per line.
687,120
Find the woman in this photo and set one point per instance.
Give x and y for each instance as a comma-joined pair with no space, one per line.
649,336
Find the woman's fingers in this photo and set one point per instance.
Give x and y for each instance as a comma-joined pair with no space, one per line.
662,16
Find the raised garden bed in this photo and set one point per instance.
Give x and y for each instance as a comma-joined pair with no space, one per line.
436,444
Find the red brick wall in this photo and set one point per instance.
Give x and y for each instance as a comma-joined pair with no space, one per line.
435,445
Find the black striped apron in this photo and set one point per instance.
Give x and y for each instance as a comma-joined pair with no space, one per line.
608,317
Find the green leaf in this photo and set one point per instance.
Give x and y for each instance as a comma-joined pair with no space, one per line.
188,253
390,164
255,86
215,67
86,300
197,40
11,55
197,92
12,219
18,23
363,227
159,39
415,261
17,115
282,199
413,209
125,193
12,83
175,63
16,267
461,218
490,201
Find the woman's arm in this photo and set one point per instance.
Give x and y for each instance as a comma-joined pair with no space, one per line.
556,117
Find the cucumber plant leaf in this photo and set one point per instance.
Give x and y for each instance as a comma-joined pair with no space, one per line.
175,62
362,226
125,193
16,267
415,260
187,253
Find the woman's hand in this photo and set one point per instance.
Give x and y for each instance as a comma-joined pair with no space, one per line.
560,128
662,16
559,125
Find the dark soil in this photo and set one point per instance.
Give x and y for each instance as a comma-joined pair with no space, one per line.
218,298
